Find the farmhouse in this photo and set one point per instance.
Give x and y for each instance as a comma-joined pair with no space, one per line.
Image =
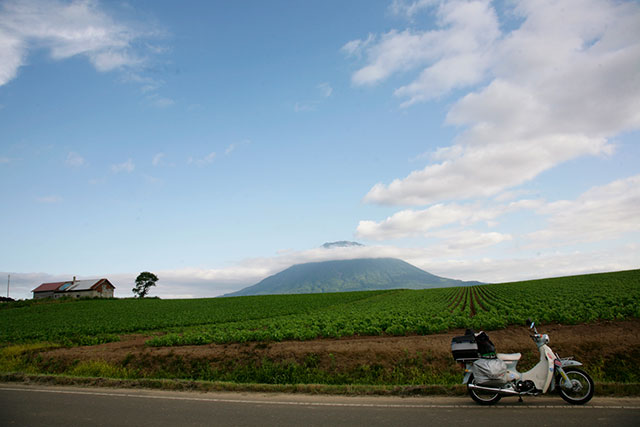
75,289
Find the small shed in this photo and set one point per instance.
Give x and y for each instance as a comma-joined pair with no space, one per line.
101,288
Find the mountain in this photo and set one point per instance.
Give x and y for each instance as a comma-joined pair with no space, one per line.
348,275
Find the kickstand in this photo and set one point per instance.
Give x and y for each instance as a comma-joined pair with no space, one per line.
520,399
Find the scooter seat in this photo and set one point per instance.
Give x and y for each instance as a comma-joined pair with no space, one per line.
509,357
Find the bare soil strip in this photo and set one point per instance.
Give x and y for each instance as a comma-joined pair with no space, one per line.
587,342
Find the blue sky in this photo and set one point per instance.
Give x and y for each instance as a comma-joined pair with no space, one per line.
215,143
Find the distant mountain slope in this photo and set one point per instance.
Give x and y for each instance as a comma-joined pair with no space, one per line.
348,275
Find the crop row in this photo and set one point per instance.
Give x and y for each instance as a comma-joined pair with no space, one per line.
565,300
571,300
94,321
391,313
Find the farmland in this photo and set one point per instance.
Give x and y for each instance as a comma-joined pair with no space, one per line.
568,300
375,337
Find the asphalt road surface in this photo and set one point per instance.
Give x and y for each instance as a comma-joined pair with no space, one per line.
37,405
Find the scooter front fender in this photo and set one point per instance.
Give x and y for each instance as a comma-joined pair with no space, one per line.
569,362
561,376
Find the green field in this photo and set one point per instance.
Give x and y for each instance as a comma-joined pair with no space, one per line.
39,339
567,300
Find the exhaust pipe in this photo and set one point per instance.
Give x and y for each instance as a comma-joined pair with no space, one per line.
502,391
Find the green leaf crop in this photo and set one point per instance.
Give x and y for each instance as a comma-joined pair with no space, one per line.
568,300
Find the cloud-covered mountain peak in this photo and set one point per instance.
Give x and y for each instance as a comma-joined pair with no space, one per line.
341,244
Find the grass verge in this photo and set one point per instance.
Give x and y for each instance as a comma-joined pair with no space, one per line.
408,376
602,389
209,386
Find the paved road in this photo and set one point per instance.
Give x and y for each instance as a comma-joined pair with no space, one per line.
22,405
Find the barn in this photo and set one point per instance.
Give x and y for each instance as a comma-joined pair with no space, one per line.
101,288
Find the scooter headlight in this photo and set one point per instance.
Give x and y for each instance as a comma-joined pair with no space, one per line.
545,339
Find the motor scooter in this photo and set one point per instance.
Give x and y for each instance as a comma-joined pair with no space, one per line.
551,373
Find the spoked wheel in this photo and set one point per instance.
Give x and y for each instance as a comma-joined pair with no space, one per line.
581,390
482,397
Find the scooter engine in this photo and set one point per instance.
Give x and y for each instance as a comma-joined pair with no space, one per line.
524,386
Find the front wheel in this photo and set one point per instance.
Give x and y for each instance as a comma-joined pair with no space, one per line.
581,390
482,397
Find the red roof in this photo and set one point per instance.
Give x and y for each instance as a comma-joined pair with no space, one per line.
48,287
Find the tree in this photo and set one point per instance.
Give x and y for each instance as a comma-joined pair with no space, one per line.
144,281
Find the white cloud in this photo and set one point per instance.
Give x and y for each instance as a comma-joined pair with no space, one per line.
411,8
415,223
323,91
97,181
12,54
50,199
301,107
234,145
74,159
466,30
606,213
21,284
559,86
66,29
602,213
159,101
457,241
149,179
326,89
127,166
4,160
208,159
408,223
511,194
447,74
157,159
538,267
356,47
485,170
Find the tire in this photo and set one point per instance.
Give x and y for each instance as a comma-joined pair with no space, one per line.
583,388
482,398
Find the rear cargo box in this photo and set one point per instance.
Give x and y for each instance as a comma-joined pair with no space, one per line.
464,348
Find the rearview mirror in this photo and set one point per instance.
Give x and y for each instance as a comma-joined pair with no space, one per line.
529,323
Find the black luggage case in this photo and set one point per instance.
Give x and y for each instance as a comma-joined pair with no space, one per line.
464,348
486,349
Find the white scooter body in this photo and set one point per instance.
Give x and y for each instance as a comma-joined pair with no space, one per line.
541,374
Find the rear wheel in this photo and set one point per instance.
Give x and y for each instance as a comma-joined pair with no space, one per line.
482,397
581,390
